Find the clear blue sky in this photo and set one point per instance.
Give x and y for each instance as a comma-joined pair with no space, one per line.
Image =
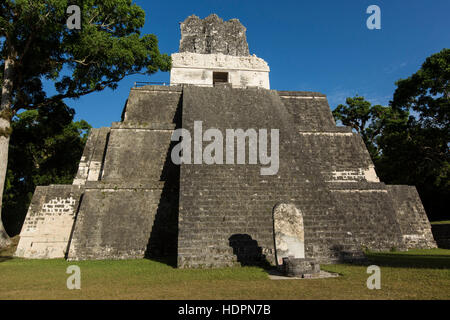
314,45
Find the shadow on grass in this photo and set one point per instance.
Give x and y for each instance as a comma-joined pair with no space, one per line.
5,258
171,261
248,252
400,260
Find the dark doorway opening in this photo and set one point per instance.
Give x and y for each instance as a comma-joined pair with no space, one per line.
220,77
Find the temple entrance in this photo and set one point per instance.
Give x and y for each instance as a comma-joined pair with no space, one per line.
220,77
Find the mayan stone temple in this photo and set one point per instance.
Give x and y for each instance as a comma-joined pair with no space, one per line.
130,200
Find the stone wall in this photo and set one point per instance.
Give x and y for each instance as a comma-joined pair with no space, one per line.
132,211
220,204
90,166
212,45
158,105
326,173
367,215
129,200
411,217
309,110
48,225
120,224
198,69
213,35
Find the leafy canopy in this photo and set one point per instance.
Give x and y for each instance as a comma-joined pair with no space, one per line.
409,140
45,148
427,92
108,48
368,120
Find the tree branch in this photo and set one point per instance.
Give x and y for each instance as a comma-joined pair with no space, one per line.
99,87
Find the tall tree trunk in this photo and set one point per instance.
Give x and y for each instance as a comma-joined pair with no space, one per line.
4,146
5,131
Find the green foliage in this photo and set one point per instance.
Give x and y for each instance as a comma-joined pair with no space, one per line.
108,47
418,153
409,140
369,121
35,39
427,92
45,148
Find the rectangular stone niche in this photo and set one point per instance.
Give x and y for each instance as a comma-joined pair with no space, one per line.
220,77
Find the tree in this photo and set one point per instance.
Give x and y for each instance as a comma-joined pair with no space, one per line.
427,92
414,155
36,44
423,157
409,140
45,148
369,121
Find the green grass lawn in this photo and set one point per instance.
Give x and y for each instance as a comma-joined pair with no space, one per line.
419,274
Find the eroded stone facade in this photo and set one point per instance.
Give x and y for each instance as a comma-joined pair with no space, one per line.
289,232
129,200
212,46
47,229
212,35
198,69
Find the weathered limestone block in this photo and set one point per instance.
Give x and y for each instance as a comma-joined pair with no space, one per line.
136,202
212,52
47,228
198,69
219,203
368,217
138,155
153,104
310,110
411,217
300,267
213,35
91,161
219,61
83,166
289,232
120,223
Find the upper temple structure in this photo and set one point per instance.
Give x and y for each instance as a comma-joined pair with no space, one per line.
131,199
213,51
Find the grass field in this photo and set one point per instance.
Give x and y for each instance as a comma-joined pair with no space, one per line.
419,274
441,222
